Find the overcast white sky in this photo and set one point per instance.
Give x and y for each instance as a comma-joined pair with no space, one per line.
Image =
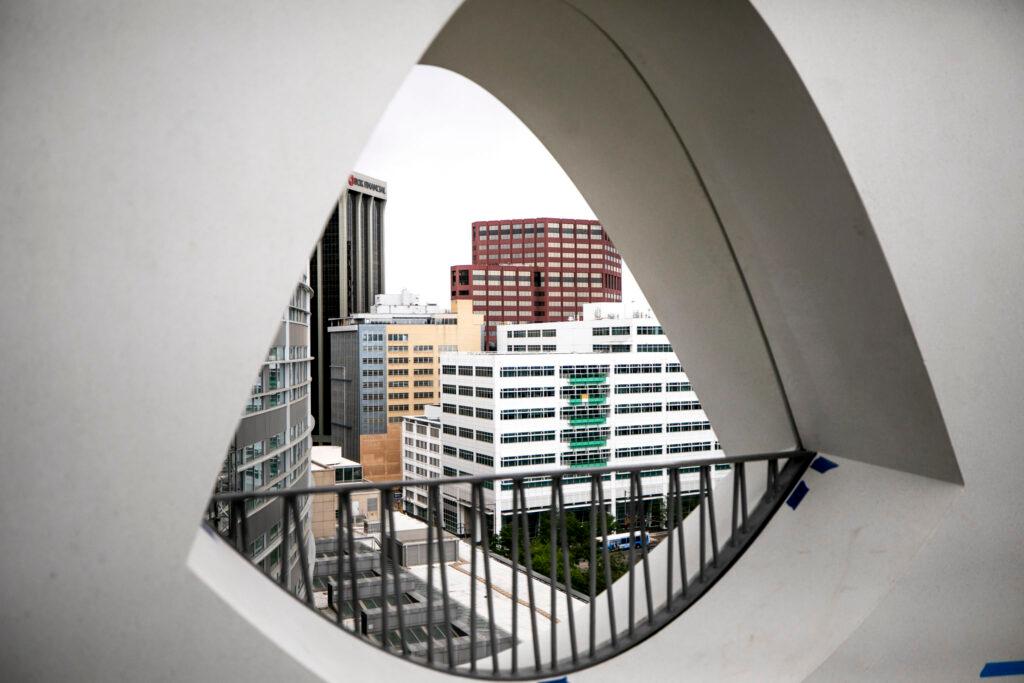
452,154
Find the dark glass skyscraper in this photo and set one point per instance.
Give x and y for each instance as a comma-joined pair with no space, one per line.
346,272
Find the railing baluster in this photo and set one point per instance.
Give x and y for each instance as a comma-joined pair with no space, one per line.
556,481
515,583
487,577
741,471
592,568
670,519
683,576
385,550
472,581
353,582
567,583
431,494
528,562
339,594
303,560
701,498
443,567
606,560
735,507
284,578
644,541
395,564
632,555
712,518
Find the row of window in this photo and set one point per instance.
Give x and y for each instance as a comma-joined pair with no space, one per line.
646,368
532,348
519,334
467,433
613,331
527,413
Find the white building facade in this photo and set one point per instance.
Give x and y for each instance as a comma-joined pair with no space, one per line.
575,394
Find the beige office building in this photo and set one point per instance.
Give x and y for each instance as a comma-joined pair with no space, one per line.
385,365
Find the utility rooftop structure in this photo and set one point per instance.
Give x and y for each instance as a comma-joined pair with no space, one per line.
537,269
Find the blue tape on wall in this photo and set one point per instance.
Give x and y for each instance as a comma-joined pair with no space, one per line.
798,495
563,679
993,669
823,465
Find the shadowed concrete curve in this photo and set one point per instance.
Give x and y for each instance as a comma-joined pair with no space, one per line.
692,137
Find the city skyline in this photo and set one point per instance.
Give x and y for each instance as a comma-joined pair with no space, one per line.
452,154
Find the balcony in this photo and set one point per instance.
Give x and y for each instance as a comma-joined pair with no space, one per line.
591,379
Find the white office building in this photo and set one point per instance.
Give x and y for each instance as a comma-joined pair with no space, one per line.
603,390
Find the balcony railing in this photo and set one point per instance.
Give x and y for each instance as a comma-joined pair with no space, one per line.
375,599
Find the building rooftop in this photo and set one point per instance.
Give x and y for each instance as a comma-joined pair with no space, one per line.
330,458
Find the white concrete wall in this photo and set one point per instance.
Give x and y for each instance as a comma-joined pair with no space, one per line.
165,170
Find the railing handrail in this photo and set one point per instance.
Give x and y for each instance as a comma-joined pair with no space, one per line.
513,476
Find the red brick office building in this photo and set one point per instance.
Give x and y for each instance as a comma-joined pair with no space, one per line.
536,270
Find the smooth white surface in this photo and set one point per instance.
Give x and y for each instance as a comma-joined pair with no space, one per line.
165,169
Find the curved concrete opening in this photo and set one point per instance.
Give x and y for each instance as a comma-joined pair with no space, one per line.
179,119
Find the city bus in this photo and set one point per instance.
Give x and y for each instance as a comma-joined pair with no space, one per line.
621,541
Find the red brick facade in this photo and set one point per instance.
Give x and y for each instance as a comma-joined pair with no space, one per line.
537,269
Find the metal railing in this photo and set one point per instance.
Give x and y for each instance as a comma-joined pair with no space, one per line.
668,562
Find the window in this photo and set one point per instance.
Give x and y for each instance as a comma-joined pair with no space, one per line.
466,370
397,395
529,371
630,430
465,433
678,386
654,348
637,451
423,371
423,383
485,413
448,429
392,384
548,333
695,447
485,460
486,437
586,434
484,371
400,407
528,392
398,337
637,368
673,367
398,360
525,437
447,369
600,331
484,392
423,347
649,329
527,413
524,460
448,408
465,391
398,372
697,426
448,389
649,388
619,331
628,408
682,405
449,450
466,411
423,394
466,455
